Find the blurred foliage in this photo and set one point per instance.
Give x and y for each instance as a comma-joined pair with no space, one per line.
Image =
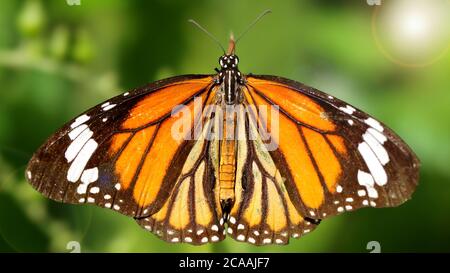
56,60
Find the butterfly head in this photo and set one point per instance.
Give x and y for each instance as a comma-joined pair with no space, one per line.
228,61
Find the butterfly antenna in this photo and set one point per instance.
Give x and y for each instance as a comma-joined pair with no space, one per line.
207,33
264,13
231,45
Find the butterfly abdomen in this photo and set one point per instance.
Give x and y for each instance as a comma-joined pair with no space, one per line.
227,169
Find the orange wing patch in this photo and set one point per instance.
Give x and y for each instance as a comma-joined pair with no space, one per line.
157,104
295,104
130,158
179,217
253,213
156,164
328,164
275,220
302,169
117,142
338,143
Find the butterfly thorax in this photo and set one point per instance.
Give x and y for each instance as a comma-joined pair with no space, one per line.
230,79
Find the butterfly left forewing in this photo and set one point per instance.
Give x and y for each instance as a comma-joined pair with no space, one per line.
106,156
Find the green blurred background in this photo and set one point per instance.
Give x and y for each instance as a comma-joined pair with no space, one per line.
57,60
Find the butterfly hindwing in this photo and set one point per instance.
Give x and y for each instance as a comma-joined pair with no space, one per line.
263,212
192,212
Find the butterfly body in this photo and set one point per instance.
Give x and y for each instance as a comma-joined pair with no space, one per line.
230,80
193,158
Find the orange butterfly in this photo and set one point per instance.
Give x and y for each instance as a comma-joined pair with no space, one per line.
193,158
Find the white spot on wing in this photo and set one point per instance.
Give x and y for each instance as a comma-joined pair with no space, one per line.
89,176
109,107
80,120
78,165
82,188
348,109
377,148
374,124
77,131
76,145
376,134
94,190
375,167
365,179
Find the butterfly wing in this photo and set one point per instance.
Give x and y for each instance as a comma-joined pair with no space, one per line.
121,154
329,158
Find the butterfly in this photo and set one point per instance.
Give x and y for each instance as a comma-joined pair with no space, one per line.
194,158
